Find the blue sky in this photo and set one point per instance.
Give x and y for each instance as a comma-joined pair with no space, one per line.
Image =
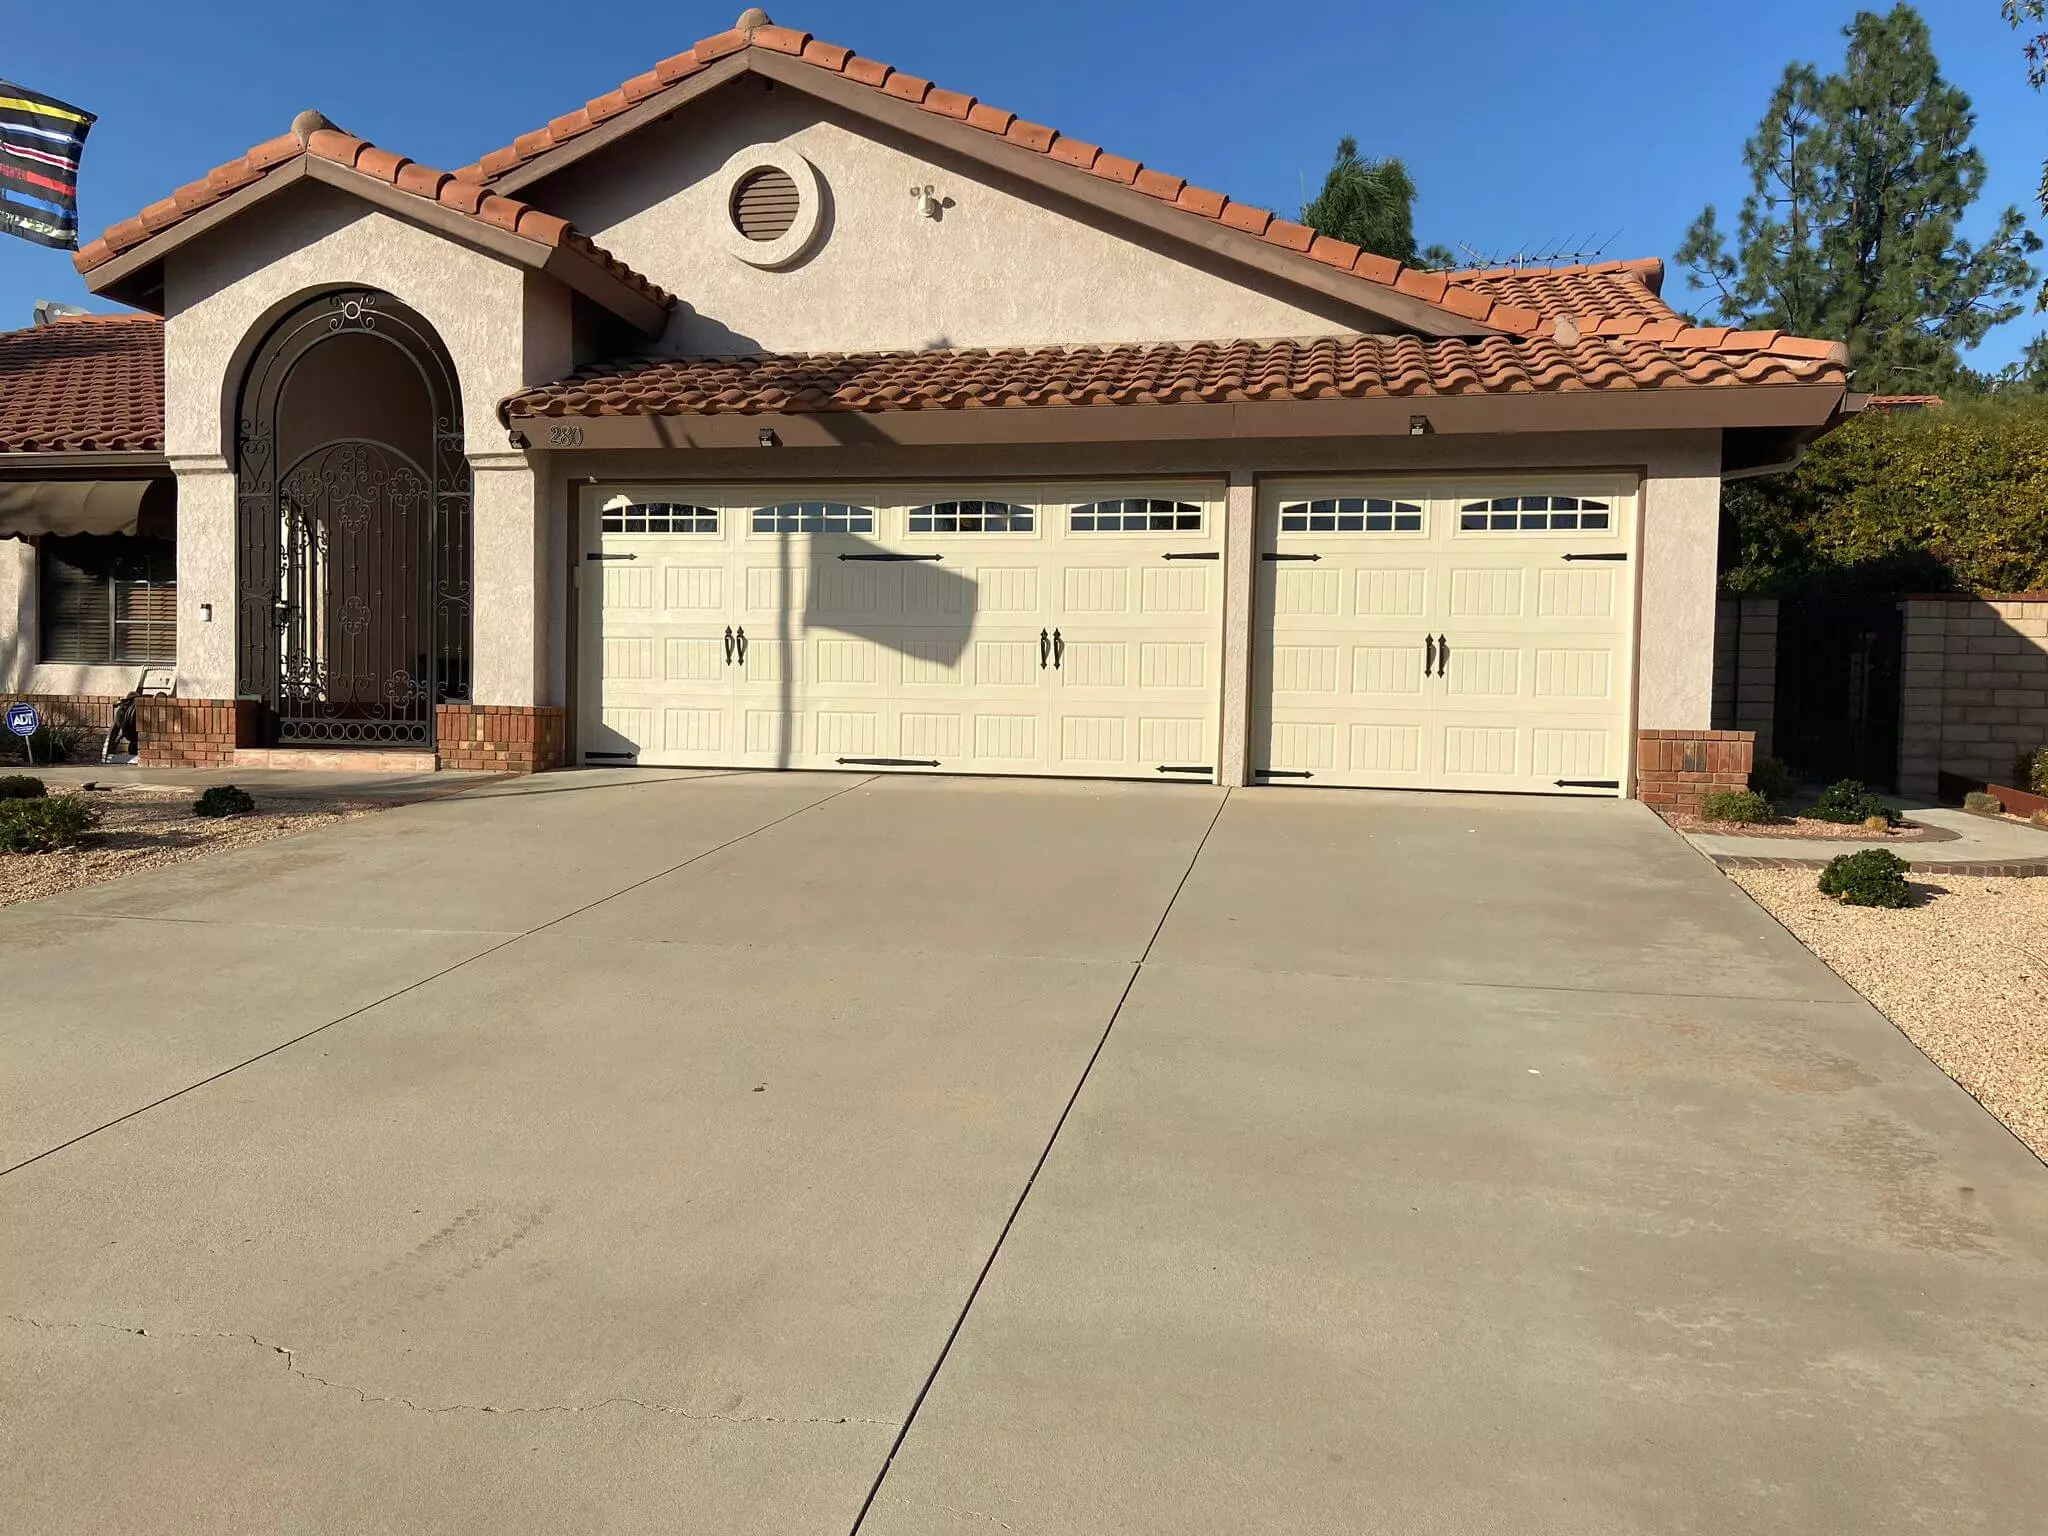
1524,125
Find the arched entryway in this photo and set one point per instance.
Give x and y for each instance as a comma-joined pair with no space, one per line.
353,526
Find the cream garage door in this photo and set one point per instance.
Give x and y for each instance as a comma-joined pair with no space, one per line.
1462,637
970,629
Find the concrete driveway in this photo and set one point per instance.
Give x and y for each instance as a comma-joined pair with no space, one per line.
803,1154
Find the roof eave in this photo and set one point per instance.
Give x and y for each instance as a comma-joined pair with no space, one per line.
1110,198
76,463
133,277
1728,407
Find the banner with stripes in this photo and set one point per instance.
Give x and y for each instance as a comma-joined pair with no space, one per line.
41,139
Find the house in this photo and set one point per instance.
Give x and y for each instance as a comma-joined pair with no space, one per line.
783,409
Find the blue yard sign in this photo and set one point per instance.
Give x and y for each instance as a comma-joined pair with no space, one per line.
23,720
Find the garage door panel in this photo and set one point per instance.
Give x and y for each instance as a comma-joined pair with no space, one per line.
974,633
1447,655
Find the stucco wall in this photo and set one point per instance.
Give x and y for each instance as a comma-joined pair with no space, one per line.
503,327
1000,268
1680,552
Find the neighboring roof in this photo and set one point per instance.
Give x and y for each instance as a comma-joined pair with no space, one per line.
1604,291
1515,303
83,384
342,159
1201,373
1902,402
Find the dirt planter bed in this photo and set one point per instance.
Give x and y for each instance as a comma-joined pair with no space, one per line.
145,827
1963,973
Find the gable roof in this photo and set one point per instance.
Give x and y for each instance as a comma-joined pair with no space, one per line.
316,149
1201,373
83,384
1434,303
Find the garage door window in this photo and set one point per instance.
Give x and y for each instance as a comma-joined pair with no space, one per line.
814,517
1351,514
1136,516
660,517
1520,514
971,517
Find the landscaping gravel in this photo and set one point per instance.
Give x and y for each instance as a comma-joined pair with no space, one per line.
145,828
1963,972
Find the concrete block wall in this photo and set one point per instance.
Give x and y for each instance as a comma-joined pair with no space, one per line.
1974,690
1746,667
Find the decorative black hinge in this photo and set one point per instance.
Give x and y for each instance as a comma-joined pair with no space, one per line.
1199,554
1615,555
1589,783
1185,768
1269,555
614,757
1283,773
887,762
892,556
611,557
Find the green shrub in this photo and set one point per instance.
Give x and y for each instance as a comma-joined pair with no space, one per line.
1983,804
1744,806
1850,802
1875,877
46,825
53,742
223,800
1773,780
2030,771
21,786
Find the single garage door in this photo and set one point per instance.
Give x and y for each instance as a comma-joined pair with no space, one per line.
955,628
1430,637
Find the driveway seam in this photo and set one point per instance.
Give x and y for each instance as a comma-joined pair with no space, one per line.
414,986
1038,1167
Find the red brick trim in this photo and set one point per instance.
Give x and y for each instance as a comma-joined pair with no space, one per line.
82,711
194,733
1676,770
501,738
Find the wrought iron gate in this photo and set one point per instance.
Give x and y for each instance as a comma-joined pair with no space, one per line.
354,556
1837,706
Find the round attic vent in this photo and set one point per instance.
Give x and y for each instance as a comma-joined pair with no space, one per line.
764,204
774,205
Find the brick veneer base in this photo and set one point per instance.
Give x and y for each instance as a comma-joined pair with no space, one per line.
194,733
1675,770
501,738
89,714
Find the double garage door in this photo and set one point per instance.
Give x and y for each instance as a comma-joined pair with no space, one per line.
984,629
1474,637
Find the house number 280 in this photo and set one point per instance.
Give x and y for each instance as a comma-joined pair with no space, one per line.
565,437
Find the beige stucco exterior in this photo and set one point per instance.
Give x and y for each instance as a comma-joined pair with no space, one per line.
504,327
996,269
1005,264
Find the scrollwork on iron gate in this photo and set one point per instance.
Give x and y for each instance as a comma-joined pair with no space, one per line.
355,602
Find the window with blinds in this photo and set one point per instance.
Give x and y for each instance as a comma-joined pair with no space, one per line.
110,599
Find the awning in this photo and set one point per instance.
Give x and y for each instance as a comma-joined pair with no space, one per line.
32,507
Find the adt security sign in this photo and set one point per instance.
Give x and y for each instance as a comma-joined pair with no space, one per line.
23,720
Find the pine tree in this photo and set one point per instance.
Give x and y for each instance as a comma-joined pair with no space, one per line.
1371,203
1858,182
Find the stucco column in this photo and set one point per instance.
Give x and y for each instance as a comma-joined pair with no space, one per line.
1680,551
509,621
207,608
1240,568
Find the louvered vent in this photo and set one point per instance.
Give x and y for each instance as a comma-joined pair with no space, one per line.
764,204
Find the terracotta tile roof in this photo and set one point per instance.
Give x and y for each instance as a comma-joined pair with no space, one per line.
1198,372
1603,290
328,143
83,384
1522,307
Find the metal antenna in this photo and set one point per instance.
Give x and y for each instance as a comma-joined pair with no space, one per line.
1549,253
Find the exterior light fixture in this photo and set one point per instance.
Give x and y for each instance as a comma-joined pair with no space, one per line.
1418,426
768,439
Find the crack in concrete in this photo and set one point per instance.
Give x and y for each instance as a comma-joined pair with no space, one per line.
291,1365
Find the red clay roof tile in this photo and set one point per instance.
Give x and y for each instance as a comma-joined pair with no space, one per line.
1348,367
473,198
94,383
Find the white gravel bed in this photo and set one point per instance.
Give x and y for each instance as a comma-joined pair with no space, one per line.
1963,972
145,828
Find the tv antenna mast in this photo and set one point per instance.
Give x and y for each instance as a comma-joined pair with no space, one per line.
1566,252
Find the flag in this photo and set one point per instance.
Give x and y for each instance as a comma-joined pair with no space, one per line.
41,140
